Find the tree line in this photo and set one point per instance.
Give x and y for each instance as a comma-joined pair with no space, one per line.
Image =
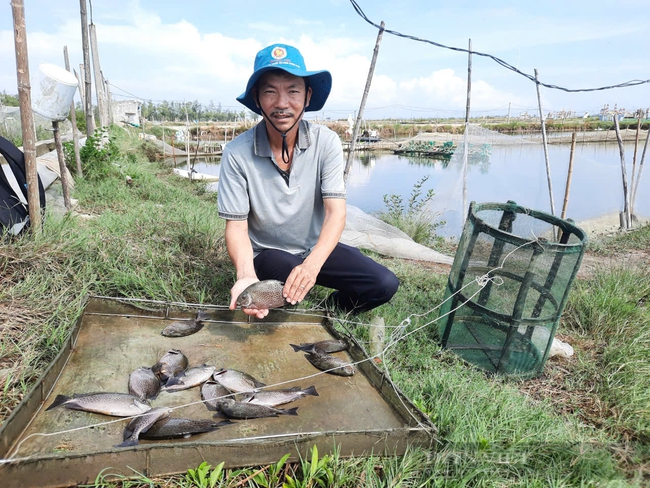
195,111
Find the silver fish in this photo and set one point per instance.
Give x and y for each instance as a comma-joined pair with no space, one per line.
273,398
327,346
243,410
237,381
211,392
189,378
115,404
144,383
325,362
173,428
262,295
172,363
182,328
140,424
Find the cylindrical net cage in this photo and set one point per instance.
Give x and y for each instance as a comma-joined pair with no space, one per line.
508,286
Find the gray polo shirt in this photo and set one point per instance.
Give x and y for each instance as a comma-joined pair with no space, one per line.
284,211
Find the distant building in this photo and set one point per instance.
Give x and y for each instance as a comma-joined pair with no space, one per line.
126,111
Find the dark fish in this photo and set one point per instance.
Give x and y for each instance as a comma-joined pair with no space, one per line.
243,410
273,398
173,428
262,295
171,364
328,346
189,378
183,328
144,383
115,404
325,362
237,381
138,425
211,392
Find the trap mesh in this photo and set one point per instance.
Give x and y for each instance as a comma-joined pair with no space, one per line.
508,286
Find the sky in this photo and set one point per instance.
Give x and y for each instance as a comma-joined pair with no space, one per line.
204,50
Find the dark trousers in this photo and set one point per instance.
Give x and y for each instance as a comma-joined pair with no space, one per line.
361,283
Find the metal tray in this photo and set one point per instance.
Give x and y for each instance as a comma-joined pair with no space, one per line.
360,415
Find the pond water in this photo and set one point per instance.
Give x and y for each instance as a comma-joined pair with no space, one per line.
513,172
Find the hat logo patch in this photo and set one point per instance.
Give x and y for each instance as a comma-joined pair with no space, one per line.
279,53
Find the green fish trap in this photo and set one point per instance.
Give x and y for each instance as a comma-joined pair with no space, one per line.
509,283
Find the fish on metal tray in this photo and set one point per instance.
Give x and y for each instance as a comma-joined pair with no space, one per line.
330,364
243,410
172,363
182,328
115,404
174,428
237,381
140,424
273,398
211,392
144,383
262,295
327,346
189,378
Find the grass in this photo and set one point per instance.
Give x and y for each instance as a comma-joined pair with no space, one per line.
585,422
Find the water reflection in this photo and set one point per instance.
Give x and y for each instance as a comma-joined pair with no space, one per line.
514,172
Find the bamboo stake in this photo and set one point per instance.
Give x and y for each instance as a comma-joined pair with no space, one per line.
636,147
466,135
73,121
88,107
64,172
627,219
548,166
26,115
109,101
355,132
99,81
638,175
569,175
82,90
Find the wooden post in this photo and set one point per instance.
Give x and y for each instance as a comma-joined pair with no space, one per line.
73,121
466,135
548,166
88,107
99,81
62,168
567,190
627,219
355,132
26,115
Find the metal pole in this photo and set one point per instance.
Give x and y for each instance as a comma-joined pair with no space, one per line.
466,135
355,132
548,166
88,107
26,115
569,175
73,121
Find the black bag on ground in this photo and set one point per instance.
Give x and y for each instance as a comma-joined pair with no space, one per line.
14,210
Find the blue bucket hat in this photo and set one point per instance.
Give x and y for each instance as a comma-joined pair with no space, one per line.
289,59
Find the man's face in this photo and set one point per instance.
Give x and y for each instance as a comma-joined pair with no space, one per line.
282,96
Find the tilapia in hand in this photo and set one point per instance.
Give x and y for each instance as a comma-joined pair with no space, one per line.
262,295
